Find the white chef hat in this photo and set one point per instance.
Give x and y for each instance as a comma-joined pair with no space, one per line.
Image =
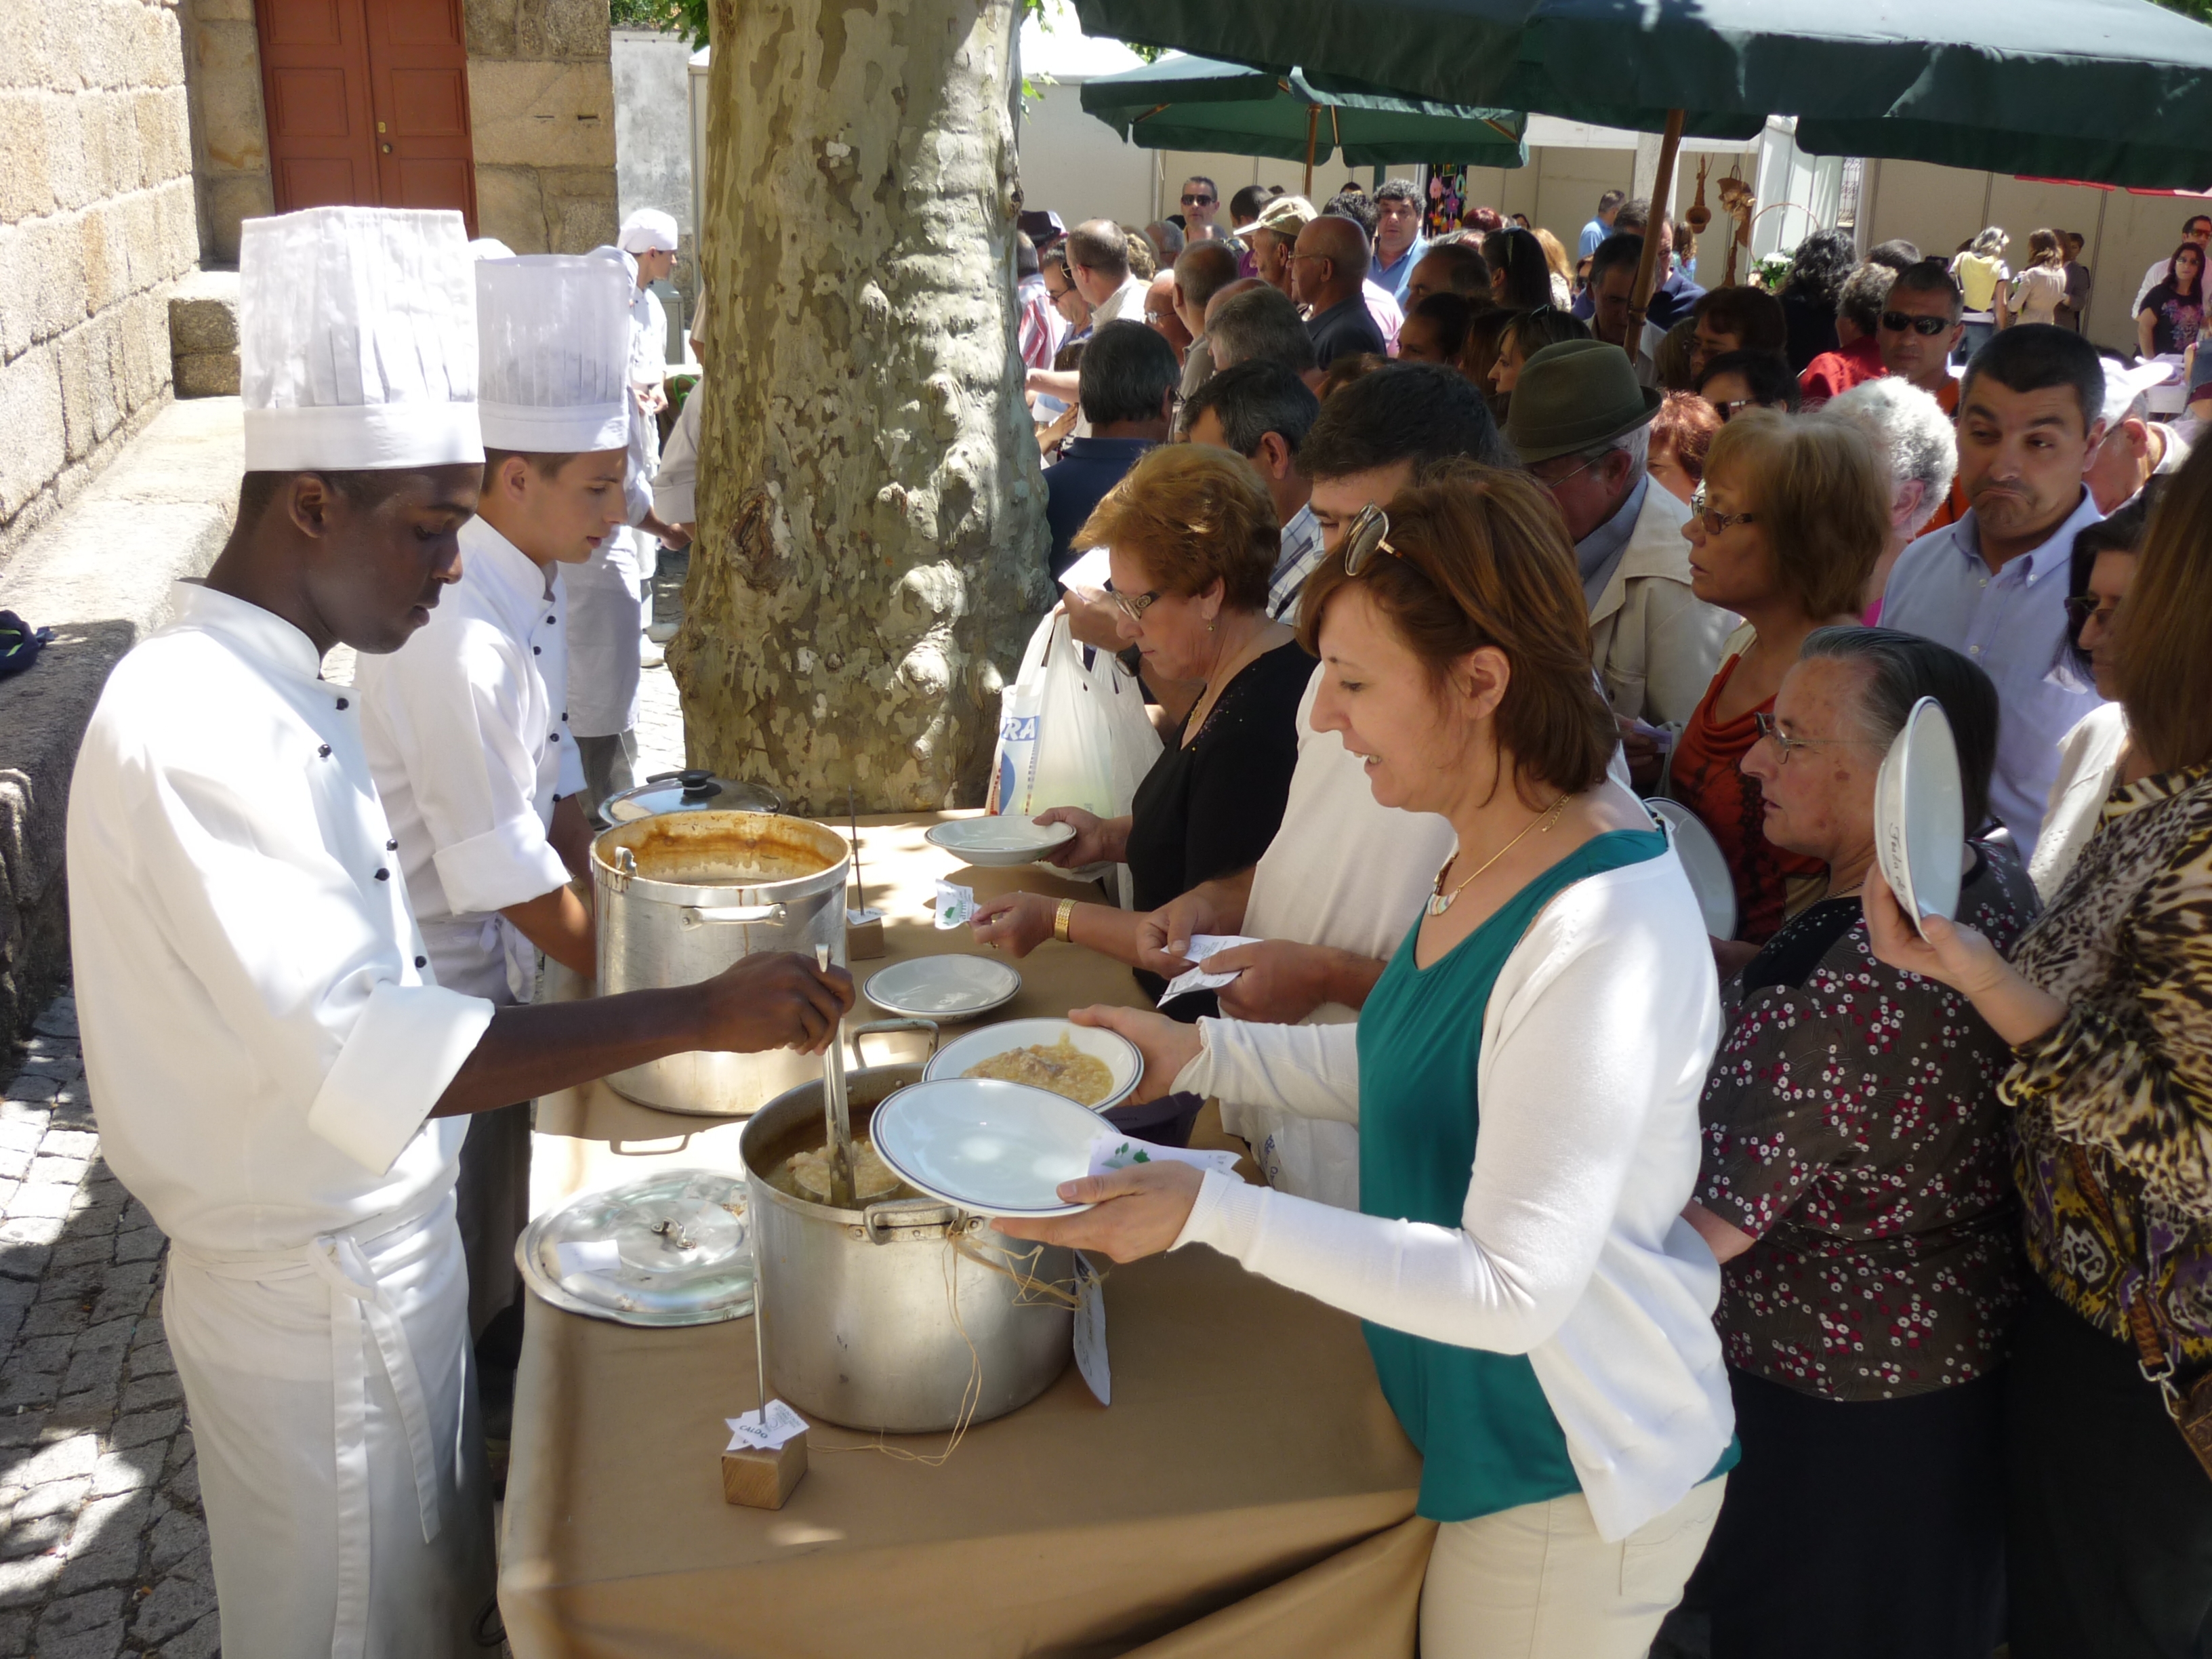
648,230
357,341
553,335
489,247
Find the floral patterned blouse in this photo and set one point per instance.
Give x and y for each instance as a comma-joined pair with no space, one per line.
1852,1127
2126,1076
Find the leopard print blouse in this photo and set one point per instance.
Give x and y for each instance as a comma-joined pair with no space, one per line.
2127,1074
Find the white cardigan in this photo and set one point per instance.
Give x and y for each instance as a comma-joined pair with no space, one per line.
1571,1247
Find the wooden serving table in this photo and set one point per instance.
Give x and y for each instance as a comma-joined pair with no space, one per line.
1248,1493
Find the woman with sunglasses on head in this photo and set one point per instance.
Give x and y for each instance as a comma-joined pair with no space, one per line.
1192,539
1789,519
1857,1192
2096,753
1539,1312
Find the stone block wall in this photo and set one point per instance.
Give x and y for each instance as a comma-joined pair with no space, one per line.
542,120
96,223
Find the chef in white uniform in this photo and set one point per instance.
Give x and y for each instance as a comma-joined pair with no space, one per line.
607,593
467,727
276,1074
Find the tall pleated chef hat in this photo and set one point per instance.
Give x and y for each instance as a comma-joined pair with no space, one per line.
553,336
648,230
357,340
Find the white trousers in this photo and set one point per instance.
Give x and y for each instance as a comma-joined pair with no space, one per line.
1538,1582
606,618
334,1415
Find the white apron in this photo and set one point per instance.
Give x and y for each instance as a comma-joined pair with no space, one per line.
330,1396
604,619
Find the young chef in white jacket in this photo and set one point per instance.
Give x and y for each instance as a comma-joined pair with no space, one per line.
276,1074
467,727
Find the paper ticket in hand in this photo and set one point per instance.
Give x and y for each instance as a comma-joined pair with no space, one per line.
749,1433
1118,1152
956,905
1203,945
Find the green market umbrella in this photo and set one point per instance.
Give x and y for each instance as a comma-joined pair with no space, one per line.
2112,91
1197,103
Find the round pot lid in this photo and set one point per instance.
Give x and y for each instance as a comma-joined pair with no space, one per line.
674,1248
691,791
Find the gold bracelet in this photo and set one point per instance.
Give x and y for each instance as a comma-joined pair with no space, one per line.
1060,921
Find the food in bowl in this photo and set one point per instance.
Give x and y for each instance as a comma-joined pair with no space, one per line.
1060,1066
872,1177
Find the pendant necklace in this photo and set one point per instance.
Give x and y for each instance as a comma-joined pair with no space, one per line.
1440,901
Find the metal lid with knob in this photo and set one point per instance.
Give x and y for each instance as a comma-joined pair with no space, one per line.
694,790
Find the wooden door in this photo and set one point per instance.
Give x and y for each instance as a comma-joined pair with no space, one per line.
368,104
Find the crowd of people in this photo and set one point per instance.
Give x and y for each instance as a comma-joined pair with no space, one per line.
1848,1278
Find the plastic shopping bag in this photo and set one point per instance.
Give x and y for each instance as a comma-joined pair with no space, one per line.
1073,731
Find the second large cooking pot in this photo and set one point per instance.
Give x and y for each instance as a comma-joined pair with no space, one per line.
682,896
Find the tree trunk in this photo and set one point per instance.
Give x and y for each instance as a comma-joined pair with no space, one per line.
872,548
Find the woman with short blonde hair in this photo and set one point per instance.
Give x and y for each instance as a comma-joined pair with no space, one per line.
1192,537
1540,1315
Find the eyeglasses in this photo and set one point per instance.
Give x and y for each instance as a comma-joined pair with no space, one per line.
1733,407
1782,740
1368,534
2082,606
1199,201
1715,522
1133,607
1551,482
1898,321
1156,317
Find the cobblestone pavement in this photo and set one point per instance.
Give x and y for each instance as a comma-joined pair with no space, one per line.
102,1548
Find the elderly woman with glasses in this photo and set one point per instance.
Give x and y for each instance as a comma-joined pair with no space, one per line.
1857,1192
1192,539
1783,529
1539,1312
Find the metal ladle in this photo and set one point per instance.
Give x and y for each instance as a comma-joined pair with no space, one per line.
836,1115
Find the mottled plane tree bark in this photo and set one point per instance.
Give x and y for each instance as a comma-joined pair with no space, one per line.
871,548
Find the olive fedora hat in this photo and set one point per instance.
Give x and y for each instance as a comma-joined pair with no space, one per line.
1574,396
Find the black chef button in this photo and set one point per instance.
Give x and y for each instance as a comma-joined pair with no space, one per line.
342,703
384,875
557,737
537,651
325,751
552,619
564,717
391,846
422,961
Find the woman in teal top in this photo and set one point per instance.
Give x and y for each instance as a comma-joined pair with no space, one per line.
1525,1078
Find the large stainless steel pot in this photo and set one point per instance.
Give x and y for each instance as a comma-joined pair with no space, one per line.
682,896
859,1328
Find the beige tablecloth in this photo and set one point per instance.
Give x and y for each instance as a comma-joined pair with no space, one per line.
1248,1493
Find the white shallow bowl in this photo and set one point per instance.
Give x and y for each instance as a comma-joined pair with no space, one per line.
997,843
1119,1053
1702,862
948,987
991,1148
1920,817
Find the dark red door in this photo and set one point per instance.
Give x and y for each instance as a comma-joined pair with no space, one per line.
368,104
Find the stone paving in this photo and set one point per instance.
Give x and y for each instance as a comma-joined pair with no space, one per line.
102,1548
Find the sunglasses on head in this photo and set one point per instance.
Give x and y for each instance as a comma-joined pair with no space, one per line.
1199,201
1368,534
1898,321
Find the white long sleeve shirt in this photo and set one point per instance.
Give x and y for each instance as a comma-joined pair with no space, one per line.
262,1039
466,728
1571,1247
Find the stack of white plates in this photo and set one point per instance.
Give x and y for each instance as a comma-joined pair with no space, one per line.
1920,815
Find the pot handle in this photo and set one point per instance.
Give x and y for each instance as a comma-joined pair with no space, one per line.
702,915
878,1220
875,1025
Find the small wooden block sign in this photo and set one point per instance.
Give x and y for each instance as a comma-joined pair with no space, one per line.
864,940
762,1479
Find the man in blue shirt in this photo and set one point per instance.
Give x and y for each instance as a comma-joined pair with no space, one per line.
1328,268
1993,585
1399,244
1601,227
1126,385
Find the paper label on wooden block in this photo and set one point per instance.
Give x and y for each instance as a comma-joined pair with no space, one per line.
1091,1331
749,1433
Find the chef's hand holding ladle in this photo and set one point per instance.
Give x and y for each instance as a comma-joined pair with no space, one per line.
777,999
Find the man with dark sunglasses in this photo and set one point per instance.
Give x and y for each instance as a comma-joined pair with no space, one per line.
1918,327
1201,202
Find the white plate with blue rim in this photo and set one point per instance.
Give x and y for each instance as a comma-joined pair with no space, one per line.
1124,1063
1920,816
1703,862
950,987
990,1148
997,843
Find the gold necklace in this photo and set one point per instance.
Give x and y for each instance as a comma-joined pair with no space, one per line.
1440,901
